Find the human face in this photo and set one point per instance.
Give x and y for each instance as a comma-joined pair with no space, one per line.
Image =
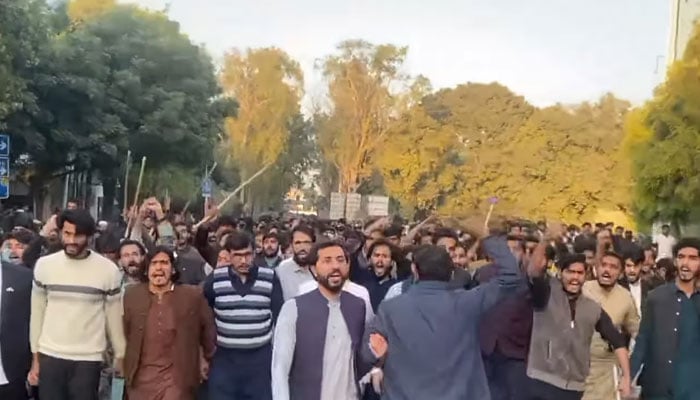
461,259
590,258
332,268
270,247
258,243
301,245
427,239
608,271
665,230
449,244
395,240
687,264
241,260
632,271
148,223
160,271
619,231
380,260
16,249
182,234
71,206
572,278
74,244
131,259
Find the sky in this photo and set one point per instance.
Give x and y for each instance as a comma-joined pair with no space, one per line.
550,51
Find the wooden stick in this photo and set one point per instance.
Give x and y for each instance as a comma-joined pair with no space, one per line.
126,179
136,195
230,195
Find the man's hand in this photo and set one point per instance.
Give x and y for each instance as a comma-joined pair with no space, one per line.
625,387
119,367
378,345
377,377
33,376
203,369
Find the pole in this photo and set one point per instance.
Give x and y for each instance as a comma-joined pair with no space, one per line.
126,179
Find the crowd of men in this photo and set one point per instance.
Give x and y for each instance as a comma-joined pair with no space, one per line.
288,309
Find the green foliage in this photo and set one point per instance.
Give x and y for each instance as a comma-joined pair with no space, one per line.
664,138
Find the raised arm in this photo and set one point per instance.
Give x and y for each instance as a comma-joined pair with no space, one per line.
507,273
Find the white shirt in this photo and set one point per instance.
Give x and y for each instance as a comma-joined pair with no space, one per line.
636,290
3,377
665,245
350,287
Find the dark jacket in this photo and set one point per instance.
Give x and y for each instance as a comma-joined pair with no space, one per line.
433,335
194,327
657,342
507,327
14,321
190,265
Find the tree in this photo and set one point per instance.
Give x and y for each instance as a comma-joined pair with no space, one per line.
268,85
83,10
664,138
367,92
128,79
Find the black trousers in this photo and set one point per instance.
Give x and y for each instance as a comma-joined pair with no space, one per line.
507,377
61,379
14,391
241,374
544,391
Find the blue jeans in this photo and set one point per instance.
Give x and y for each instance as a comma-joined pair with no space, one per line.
241,374
507,377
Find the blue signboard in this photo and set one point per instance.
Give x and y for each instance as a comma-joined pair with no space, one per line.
4,167
206,187
4,145
4,187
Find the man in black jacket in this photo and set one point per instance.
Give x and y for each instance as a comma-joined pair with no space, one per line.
15,306
667,348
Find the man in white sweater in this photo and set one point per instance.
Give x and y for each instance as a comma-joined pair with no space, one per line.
75,307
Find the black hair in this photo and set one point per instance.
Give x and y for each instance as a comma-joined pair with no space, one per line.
108,243
24,236
312,259
634,253
83,221
666,226
306,230
513,238
393,230
270,235
567,260
238,240
586,224
616,256
584,245
444,233
34,251
691,242
127,242
74,201
433,263
382,242
226,220
164,250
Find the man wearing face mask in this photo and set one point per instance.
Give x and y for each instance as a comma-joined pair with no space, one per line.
618,303
295,271
246,300
76,306
270,254
564,323
190,265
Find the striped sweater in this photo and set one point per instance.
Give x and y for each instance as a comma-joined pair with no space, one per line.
75,307
244,312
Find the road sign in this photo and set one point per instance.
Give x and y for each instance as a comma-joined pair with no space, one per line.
4,166
207,187
4,145
377,206
353,206
4,187
337,210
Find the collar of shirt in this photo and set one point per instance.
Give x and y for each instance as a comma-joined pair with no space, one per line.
680,291
172,288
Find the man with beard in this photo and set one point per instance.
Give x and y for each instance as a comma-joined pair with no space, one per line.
131,256
16,242
246,300
632,277
564,323
166,327
270,255
667,349
295,271
377,279
191,267
318,335
75,307
619,305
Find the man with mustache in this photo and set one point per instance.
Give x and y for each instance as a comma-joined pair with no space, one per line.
667,349
564,323
318,335
618,303
246,300
75,307
295,271
166,327
191,267
270,252
131,257
632,277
